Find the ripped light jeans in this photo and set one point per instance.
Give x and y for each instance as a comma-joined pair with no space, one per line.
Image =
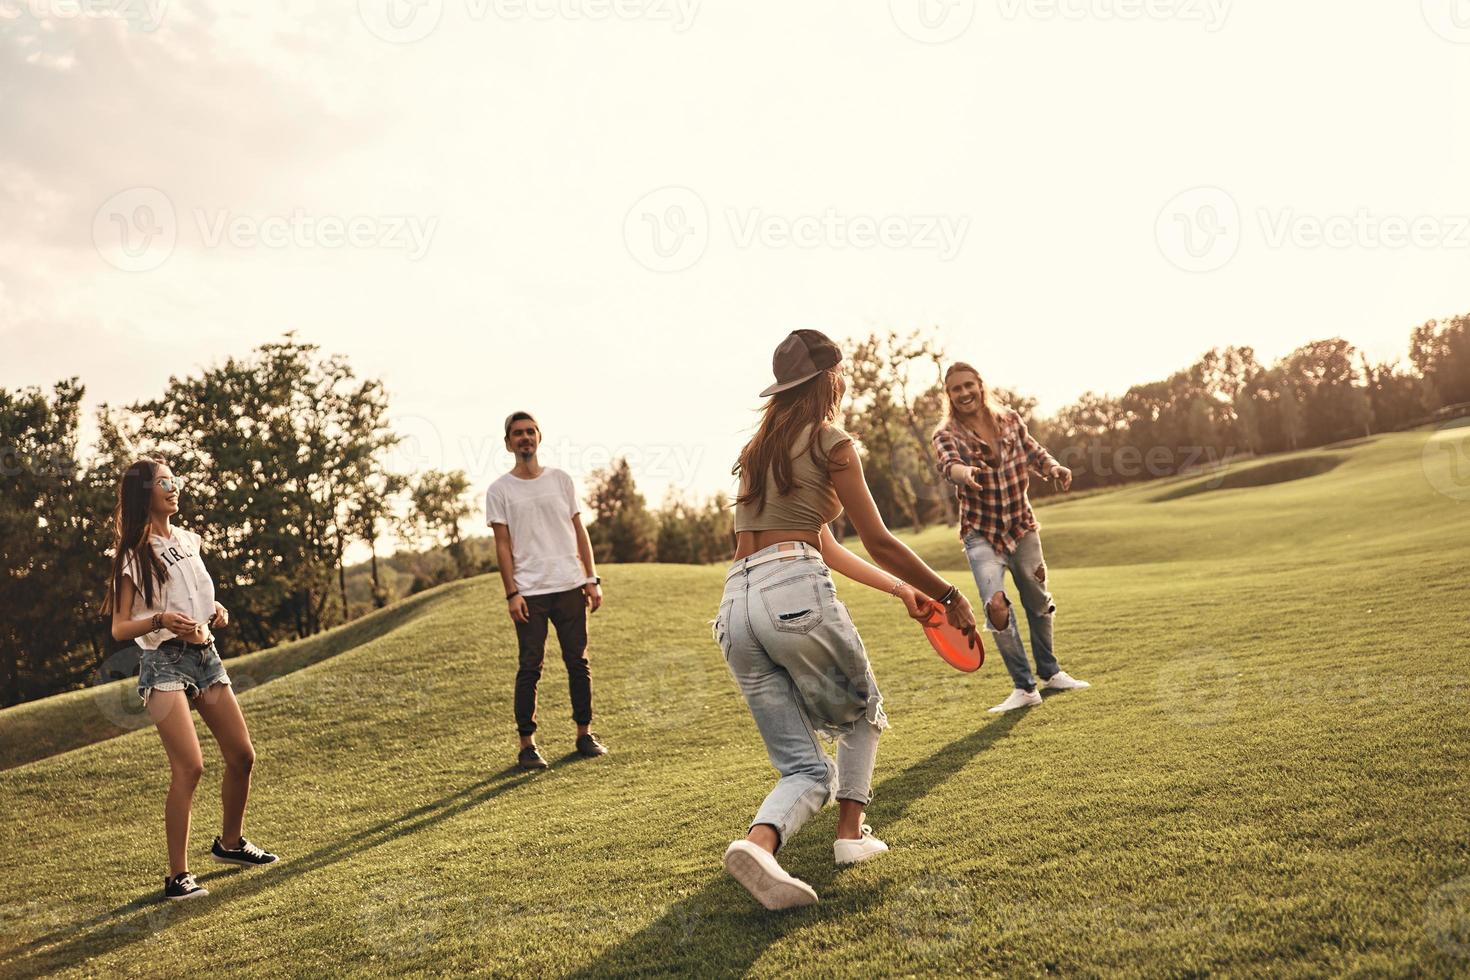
799,662
1028,571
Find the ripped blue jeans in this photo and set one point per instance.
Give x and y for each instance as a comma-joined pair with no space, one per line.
798,660
1028,571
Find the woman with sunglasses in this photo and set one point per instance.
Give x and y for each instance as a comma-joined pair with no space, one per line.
162,598
787,639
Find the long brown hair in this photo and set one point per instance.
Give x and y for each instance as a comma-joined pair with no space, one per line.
130,520
772,448
988,402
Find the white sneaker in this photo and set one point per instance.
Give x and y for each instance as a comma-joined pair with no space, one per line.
1019,699
1063,681
848,851
756,869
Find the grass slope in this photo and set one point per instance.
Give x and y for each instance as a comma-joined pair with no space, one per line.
1269,776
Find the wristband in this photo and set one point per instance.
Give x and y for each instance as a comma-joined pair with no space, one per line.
949,597
511,595
157,623
594,580
896,584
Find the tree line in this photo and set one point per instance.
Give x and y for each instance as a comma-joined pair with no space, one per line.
1224,406
286,456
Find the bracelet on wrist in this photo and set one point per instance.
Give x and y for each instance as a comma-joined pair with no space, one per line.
511,595
950,596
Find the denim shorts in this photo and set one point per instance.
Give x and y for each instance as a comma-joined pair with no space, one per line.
177,668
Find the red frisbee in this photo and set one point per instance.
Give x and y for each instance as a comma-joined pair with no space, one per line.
962,651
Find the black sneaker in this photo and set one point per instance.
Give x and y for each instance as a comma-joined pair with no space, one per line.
182,886
589,746
246,855
531,758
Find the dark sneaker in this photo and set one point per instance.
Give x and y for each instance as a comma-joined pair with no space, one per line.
247,855
531,758
589,746
182,886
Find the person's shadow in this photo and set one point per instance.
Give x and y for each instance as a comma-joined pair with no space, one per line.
723,920
74,943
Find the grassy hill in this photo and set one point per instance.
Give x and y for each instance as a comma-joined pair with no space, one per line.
1269,776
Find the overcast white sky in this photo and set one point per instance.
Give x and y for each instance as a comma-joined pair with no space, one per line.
609,211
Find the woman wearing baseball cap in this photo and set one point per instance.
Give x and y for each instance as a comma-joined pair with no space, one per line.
787,639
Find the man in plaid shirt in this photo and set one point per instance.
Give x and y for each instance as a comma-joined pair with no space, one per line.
985,452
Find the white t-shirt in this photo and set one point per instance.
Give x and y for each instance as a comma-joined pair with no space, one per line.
187,589
539,515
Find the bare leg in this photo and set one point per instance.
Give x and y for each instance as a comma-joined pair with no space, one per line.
764,836
221,712
170,713
850,819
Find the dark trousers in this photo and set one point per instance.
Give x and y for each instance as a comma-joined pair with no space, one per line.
567,611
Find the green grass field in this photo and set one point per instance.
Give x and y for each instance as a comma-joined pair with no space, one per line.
1270,775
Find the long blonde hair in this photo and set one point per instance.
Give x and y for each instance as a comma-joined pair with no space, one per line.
988,402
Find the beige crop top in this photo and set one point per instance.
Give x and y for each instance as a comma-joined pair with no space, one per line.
812,501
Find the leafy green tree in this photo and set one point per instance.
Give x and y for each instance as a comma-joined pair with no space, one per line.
624,530
440,503
52,544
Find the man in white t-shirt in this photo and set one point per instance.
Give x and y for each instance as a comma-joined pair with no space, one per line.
546,564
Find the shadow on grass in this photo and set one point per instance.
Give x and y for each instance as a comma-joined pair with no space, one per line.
720,931
73,943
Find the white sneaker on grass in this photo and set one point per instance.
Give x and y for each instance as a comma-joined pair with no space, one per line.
849,851
1020,698
1063,681
756,869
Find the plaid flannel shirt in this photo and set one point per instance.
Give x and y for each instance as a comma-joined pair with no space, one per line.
999,511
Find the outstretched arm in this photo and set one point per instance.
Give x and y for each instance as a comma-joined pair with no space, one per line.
840,559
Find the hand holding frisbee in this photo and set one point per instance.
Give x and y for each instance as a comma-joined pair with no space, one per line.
961,650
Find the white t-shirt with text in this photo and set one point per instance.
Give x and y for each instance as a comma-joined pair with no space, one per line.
188,588
538,514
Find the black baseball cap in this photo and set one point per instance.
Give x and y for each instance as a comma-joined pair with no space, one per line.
803,355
